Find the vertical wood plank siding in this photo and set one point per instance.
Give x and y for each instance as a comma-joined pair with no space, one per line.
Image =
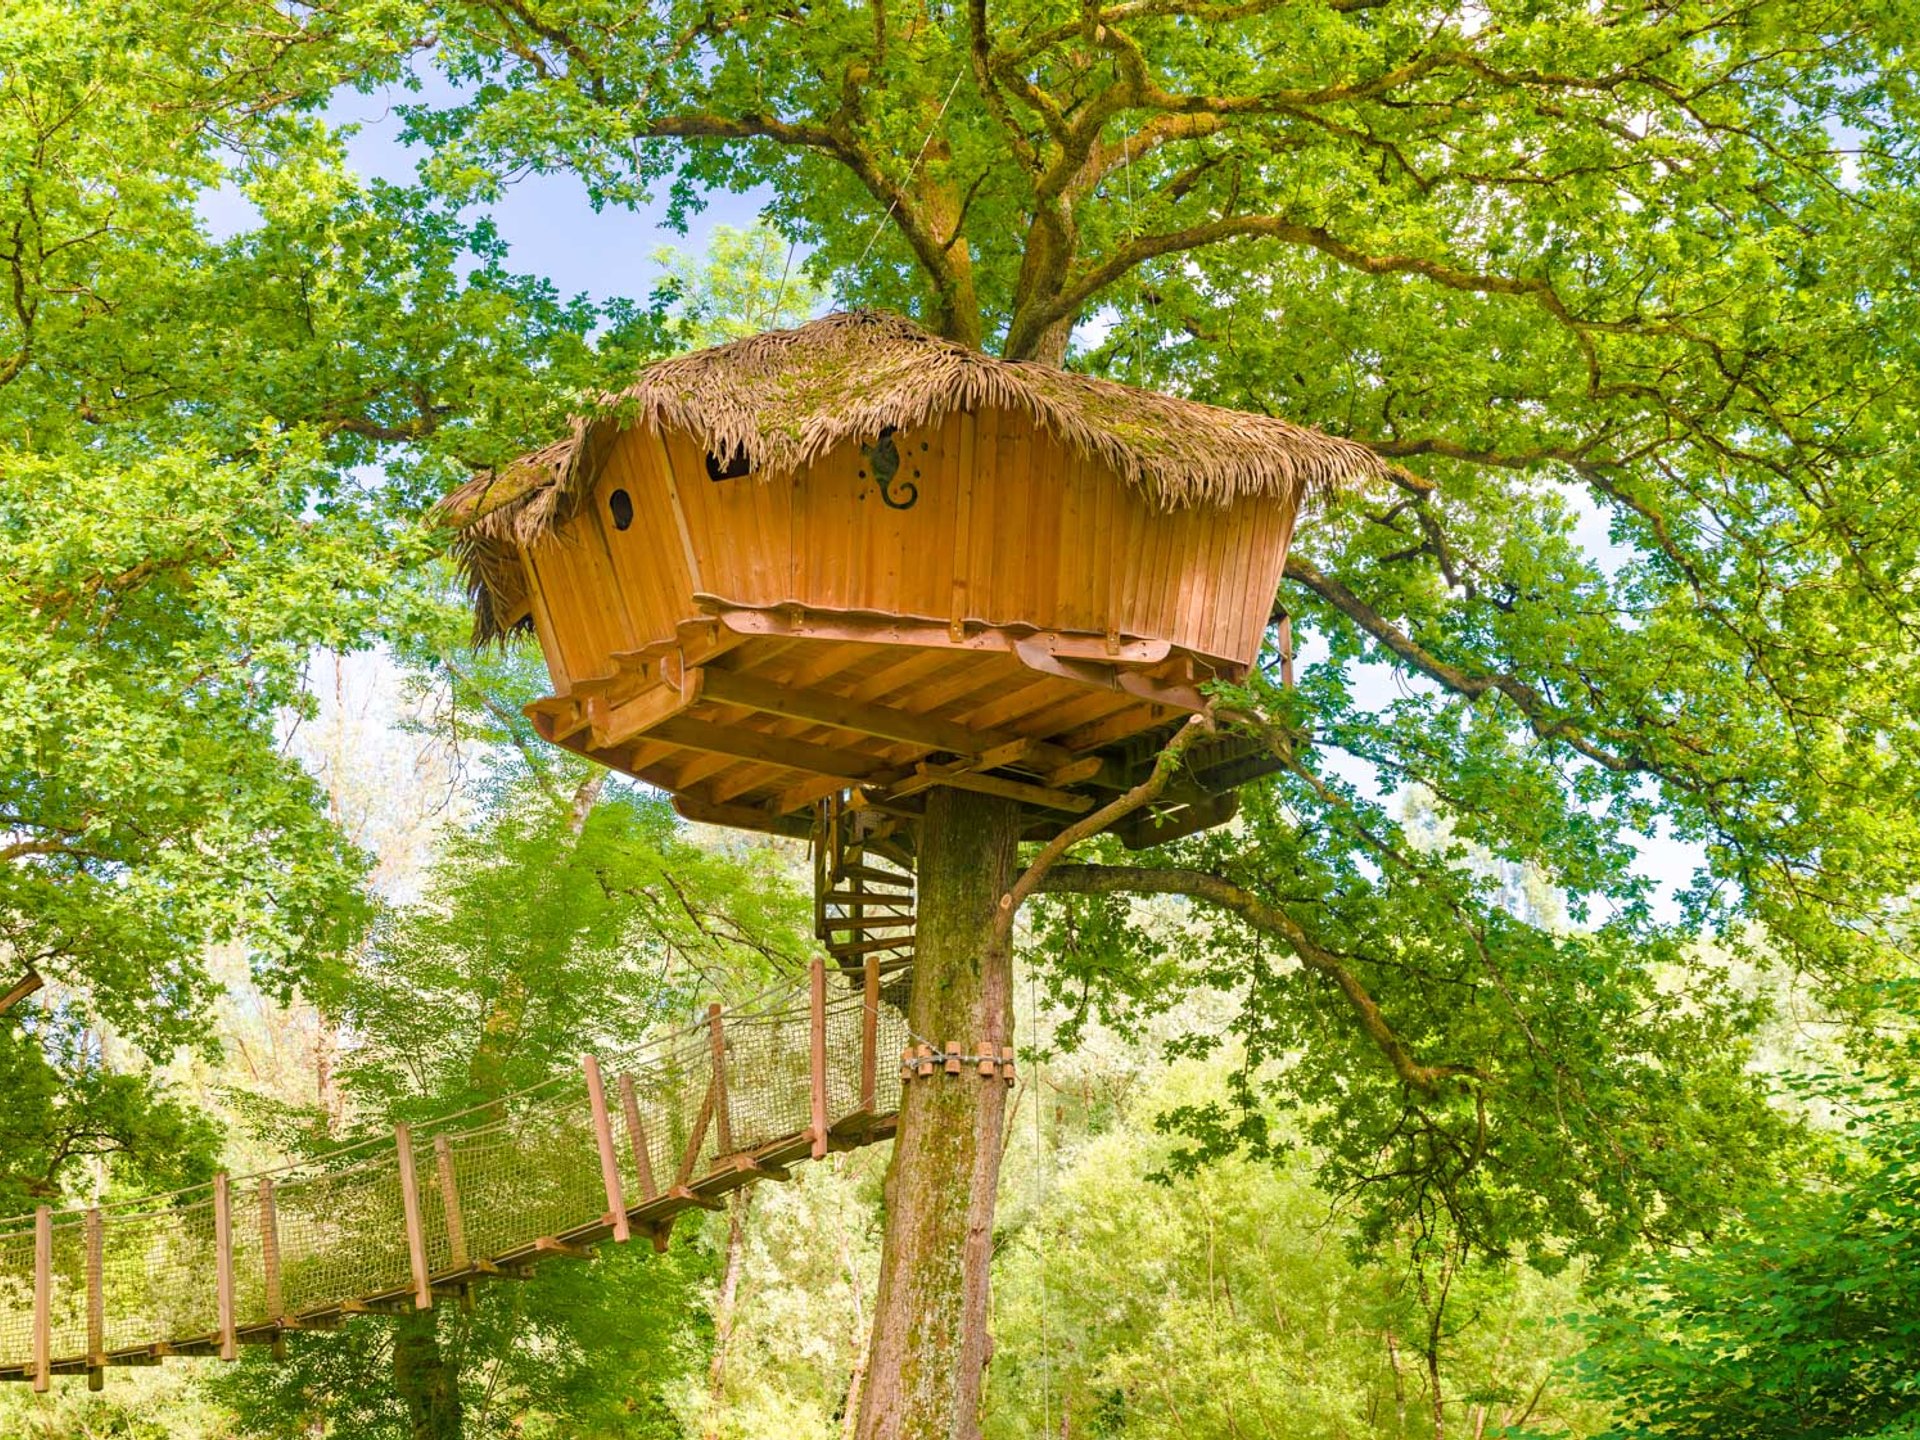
1009,527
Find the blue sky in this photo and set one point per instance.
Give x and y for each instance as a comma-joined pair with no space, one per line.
546,220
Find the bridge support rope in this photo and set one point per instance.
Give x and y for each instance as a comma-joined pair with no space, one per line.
385,1226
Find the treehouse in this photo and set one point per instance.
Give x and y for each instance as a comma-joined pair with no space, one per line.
844,564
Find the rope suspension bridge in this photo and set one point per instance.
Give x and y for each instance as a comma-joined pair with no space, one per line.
391,1224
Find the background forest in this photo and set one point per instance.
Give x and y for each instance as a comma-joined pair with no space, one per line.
1604,771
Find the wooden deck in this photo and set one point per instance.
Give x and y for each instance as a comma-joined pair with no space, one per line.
750,718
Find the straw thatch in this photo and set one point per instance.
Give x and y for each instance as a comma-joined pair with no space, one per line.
787,397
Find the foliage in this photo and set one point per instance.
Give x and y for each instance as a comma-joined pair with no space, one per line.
1568,269
162,1403
747,281
545,931
66,1107
800,1330
1578,1091
1232,1304
584,1351
1801,1318
185,512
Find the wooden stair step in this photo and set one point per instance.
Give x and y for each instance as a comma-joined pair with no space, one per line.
868,946
858,897
874,876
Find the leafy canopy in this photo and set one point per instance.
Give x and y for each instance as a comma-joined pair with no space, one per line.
188,505
1566,267
1801,1319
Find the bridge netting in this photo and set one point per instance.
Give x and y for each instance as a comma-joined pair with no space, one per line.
696,1112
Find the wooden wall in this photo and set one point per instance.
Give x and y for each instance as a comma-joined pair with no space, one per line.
1006,527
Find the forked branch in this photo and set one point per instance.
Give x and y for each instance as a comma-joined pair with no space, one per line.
1257,912
1142,794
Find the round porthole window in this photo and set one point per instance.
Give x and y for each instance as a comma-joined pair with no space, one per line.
621,504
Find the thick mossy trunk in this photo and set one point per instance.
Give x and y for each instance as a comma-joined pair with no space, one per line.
424,1379
928,1355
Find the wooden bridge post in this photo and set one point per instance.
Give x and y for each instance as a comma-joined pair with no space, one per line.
223,1265
42,1298
410,1212
450,1203
96,1300
869,1034
637,1137
274,1301
722,1121
609,1160
817,1057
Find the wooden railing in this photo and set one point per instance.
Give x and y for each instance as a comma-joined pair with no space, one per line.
388,1225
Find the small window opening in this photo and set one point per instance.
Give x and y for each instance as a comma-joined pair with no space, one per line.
732,468
621,504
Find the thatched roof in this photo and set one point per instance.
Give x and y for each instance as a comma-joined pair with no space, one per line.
787,397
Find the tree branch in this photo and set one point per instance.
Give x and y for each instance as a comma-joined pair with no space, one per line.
1531,703
1215,890
1144,793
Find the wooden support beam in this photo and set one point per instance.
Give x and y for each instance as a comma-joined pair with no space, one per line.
1075,771
556,717
96,1300
612,725
450,1203
547,1245
730,1172
223,1264
375,1307
1121,725
806,794
817,1056
743,780
925,777
695,1138
270,1251
609,1160
881,721
869,1031
847,765
722,1118
744,817
637,1138
499,1272
645,754
410,1211
42,1299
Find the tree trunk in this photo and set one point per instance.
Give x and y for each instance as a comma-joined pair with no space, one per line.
929,1351
726,1308
426,1382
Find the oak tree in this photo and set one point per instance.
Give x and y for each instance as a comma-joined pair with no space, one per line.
1559,264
